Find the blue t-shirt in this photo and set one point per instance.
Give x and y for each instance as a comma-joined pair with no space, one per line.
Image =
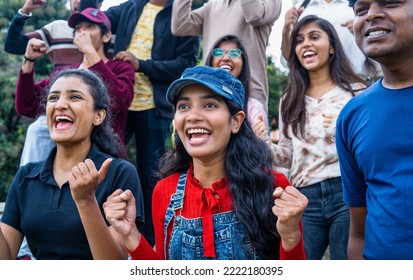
47,215
374,141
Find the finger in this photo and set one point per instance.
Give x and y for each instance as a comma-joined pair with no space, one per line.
277,192
115,194
104,169
83,168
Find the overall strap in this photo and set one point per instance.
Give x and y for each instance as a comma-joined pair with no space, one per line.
176,203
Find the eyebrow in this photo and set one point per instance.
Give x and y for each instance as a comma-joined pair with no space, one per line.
69,91
205,96
310,33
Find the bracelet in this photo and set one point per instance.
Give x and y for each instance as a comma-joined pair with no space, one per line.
28,59
23,14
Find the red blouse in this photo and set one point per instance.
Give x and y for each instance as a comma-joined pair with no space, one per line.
195,207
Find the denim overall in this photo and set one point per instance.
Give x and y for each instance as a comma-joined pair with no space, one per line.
231,242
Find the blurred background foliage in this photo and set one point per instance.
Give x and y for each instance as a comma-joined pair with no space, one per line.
13,127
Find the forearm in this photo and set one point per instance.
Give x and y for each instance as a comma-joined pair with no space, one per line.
102,243
4,247
26,100
355,248
16,41
261,12
120,79
184,21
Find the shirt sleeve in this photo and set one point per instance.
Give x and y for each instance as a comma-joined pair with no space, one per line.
261,12
185,21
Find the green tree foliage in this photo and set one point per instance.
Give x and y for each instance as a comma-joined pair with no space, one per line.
277,83
12,127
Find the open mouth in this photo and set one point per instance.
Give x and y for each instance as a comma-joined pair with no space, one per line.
376,33
226,67
63,122
309,54
197,135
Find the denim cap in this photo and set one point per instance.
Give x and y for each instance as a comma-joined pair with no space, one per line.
91,14
216,79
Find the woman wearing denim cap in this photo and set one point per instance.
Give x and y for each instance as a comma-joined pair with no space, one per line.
213,201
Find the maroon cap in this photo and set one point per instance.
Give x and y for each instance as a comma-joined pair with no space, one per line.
90,14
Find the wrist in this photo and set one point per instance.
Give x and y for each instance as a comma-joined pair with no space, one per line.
24,12
26,59
132,240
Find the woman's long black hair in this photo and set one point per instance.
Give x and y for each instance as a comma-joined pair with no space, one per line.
248,168
102,135
293,110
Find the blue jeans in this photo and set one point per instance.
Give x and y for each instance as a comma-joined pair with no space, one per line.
151,131
326,220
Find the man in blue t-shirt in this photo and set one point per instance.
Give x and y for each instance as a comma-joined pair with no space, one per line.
375,136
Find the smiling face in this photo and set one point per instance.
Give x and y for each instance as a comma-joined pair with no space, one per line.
204,123
231,64
383,29
313,48
70,111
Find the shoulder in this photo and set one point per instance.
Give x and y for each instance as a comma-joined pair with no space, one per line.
362,97
166,186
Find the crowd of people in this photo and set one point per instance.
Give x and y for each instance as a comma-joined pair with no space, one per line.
228,188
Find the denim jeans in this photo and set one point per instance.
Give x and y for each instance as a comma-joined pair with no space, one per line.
326,220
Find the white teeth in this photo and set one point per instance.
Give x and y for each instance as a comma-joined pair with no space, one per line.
308,53
226,67
198,130
375,33
63,118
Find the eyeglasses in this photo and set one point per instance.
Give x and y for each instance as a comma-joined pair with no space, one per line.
233,53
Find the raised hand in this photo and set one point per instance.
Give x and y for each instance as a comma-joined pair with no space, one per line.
120,211
85,179
289,205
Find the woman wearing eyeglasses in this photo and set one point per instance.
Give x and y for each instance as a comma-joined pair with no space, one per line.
229,53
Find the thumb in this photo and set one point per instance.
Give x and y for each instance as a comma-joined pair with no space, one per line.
104,169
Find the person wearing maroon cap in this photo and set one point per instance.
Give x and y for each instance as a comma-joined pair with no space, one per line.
92,33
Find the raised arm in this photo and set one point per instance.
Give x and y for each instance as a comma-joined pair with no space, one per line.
84,180
16,41
261,12
186,22
29,94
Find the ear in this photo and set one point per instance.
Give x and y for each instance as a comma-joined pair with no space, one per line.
100,116
107,36
332,50
237,121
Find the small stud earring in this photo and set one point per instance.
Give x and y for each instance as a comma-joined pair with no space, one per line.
332,51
